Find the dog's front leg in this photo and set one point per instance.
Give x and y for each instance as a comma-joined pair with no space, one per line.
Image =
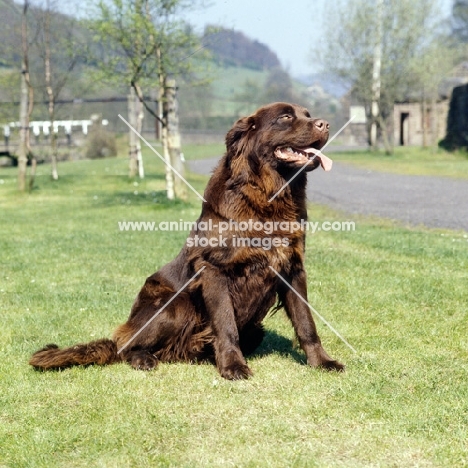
229,359
304,324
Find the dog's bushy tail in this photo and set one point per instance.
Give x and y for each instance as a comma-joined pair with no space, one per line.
97,352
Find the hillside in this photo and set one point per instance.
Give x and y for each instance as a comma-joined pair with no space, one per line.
233,91
233,48
240,75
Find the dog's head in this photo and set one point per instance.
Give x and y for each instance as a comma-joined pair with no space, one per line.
282,135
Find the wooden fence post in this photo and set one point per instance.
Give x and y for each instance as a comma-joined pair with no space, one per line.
173,139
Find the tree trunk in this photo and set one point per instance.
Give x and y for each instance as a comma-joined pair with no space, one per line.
50,93
424,120
434,121
377,63
164,139
132,137
24,103
31,155
53,147
139,115
24,128
167,157
173,140
32,176
386,141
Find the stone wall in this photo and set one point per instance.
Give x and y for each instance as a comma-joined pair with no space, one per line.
412,128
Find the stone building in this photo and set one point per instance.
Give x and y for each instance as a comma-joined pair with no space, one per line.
419,123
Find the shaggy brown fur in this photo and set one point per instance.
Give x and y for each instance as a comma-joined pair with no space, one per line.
219,314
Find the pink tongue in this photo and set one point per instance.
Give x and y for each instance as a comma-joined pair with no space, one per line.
325,162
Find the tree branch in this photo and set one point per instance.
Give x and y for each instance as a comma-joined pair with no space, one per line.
145,104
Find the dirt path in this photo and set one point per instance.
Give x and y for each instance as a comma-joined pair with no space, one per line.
431,201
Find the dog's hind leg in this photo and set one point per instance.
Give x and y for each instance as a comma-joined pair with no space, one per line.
133,348
150,336
160,328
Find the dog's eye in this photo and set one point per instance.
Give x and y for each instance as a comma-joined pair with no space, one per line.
285,117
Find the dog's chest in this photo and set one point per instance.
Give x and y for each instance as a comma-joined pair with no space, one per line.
253,284
252,295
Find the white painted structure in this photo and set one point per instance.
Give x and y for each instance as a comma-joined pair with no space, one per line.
45,126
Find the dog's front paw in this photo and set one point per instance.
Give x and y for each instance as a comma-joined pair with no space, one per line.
332,366
236,371
318,357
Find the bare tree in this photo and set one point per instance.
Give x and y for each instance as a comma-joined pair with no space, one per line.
26,104
50,89
399,32
59,51
145,44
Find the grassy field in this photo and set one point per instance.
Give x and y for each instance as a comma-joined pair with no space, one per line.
67,275
205,151
413,161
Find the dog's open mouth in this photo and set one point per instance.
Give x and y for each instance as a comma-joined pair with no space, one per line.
302,156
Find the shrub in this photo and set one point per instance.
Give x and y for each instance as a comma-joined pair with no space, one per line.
100,143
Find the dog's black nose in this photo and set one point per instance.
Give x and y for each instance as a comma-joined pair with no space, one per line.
322,125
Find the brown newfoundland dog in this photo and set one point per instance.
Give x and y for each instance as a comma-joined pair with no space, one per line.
209,302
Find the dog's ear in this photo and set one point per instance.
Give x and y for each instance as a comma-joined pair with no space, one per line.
238,135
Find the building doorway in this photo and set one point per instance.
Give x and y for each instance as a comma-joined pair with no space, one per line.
404,128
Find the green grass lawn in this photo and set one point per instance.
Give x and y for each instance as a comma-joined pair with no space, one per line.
67,275
205,151
410,160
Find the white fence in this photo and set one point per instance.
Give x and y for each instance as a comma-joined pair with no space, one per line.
44,126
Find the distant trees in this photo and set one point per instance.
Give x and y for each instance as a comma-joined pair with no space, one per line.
409,32
41,42
278,86
460,20
142,44
10,52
